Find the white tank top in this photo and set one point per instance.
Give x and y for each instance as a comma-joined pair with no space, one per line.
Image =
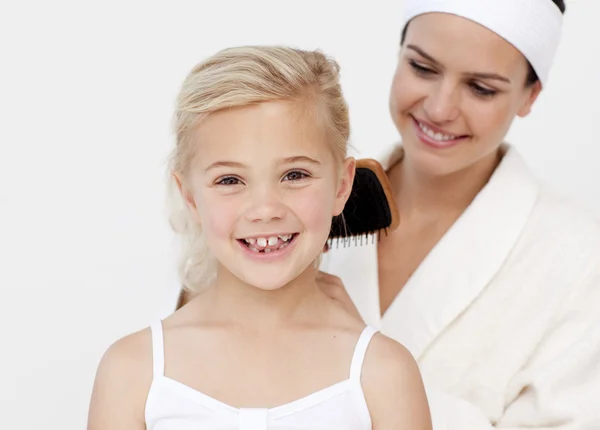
172,405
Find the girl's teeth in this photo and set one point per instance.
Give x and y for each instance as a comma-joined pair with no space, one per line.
263,242
270,241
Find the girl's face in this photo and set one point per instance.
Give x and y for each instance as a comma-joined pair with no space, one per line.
457,88
264,185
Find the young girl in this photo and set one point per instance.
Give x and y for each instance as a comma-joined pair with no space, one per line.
260,163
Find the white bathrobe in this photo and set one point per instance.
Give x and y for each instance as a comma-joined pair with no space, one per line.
503,315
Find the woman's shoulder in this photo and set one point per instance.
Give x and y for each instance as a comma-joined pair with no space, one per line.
393,386
561,217
561,245
552,209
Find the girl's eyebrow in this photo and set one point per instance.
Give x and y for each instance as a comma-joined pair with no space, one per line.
297,159
287,160
231,164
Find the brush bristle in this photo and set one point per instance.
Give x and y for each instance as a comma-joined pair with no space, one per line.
366,214
356,240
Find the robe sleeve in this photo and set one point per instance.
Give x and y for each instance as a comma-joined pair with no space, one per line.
560,386
558,389
453,413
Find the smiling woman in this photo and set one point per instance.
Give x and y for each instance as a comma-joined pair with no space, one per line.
492,281
460,98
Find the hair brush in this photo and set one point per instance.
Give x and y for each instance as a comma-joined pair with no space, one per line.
370,209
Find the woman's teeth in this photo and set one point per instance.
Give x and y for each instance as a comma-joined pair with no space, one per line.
436,136
268,244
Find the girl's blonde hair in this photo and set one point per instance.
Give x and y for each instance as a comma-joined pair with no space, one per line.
238,77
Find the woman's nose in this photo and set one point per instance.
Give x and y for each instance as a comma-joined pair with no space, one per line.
442,103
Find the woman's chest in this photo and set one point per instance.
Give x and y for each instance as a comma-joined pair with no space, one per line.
400,254
478,355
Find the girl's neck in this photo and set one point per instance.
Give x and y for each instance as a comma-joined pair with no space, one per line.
427,197
254,308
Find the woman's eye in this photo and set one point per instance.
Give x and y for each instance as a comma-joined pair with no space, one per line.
228,180
421,70
295,176
482,91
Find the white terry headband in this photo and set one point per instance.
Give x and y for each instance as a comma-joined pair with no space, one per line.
531,26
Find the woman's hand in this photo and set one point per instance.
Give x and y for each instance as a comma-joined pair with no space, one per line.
334,288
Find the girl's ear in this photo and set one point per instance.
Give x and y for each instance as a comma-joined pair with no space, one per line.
344,185
187,196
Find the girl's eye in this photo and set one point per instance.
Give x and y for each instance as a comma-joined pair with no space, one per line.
482,91
295,176
228,180
419,69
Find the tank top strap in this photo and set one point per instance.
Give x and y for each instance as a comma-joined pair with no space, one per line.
360,351
158,349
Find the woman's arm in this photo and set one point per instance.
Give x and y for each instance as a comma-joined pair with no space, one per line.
121,385
334,288
393,387
559,387
556,389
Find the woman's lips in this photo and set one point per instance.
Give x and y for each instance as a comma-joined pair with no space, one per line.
435,137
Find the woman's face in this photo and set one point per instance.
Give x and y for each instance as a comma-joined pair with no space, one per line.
457,88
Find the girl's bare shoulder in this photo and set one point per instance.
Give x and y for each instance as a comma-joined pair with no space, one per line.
128,360
393,386
122,382
387,359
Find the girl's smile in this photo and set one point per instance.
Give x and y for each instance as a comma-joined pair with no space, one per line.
267,248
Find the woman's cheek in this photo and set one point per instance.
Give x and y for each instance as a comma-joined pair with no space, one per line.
490,120
405,96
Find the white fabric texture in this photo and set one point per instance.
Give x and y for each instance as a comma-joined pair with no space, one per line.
172,405
532,26
503,314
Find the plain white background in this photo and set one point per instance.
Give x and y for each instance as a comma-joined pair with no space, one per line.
86,97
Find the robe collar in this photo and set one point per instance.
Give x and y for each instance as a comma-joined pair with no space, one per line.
464,261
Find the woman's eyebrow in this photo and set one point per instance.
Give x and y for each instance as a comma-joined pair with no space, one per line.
494,76
422,53
478,75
